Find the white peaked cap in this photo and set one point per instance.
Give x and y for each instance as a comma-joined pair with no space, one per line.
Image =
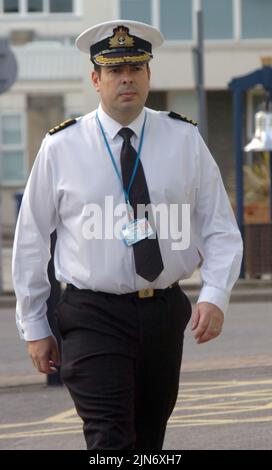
120,41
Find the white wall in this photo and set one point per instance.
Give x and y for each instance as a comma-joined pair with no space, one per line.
183,102
173,66
74,104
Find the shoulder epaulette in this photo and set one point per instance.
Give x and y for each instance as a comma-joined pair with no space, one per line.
181,117
62,126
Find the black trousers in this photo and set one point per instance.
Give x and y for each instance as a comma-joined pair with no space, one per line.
121,358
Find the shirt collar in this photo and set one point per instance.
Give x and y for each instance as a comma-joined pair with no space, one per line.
112,127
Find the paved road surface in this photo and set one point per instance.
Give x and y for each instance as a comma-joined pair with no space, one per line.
225,397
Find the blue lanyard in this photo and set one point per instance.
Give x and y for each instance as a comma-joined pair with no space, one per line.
126,193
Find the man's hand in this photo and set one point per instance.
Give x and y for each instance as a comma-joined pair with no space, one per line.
207,321
44,354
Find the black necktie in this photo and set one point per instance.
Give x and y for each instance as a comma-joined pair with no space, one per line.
147,255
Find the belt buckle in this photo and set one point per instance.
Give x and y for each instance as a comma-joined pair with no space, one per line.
144,293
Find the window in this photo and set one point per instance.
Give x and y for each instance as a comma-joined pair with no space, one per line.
12,148
44,7
223,19
138,10
13,166
218,19
256,19
11,130
11,6
35,6
176,19
61,6
174,16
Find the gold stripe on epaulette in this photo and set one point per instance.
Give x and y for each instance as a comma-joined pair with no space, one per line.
191,121
181,117
62,126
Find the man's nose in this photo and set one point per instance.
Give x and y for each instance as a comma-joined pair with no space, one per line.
127,77
127,80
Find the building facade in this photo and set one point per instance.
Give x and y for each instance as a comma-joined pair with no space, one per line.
54,78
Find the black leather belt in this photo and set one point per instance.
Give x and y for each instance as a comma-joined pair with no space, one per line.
140,294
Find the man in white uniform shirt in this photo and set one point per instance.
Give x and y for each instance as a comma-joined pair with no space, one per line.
123,314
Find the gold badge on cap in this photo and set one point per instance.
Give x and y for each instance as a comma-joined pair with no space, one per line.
121,38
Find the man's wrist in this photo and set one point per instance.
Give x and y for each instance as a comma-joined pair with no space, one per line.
32,331
215,296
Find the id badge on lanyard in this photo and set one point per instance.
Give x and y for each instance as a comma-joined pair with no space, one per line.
136,229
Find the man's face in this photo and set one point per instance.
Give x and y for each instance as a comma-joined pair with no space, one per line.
123,88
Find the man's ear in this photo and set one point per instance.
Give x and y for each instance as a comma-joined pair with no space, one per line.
149,76
148,72
95,80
